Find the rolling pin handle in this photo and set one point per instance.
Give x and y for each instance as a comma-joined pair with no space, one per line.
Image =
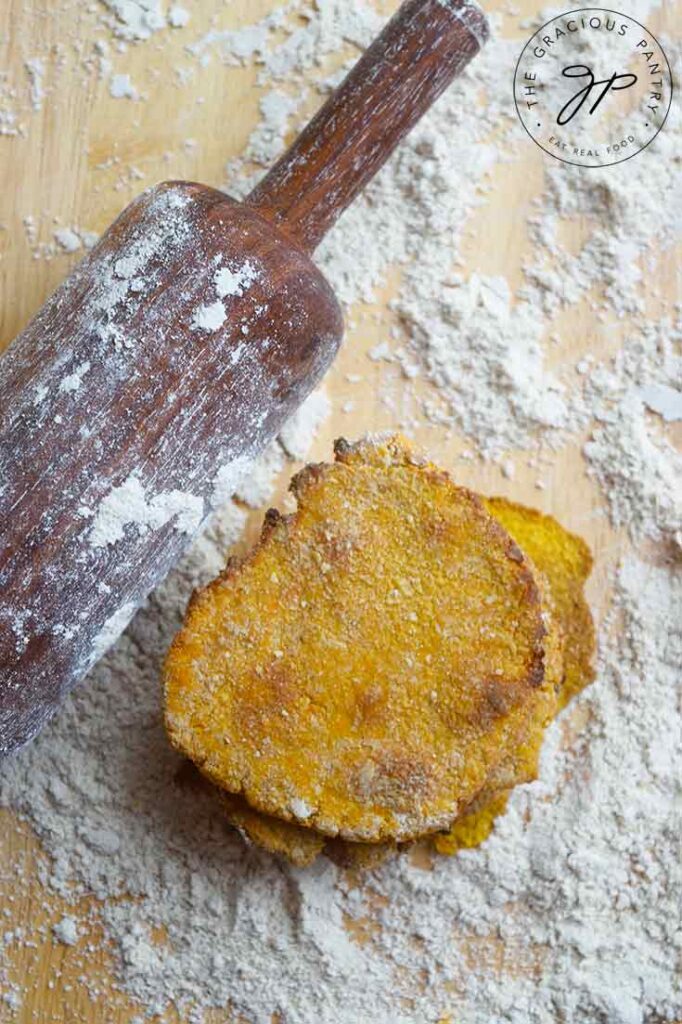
421,49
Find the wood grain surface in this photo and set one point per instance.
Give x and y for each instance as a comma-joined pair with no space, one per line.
80,158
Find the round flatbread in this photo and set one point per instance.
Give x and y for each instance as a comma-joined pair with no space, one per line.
565,561
363,670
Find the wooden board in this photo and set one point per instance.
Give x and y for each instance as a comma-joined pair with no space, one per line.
77,160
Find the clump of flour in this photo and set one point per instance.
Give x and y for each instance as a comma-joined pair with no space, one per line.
66,931
128,504
637,467
135,19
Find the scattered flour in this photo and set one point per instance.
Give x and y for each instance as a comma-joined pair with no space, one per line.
256,487
296,434
112,630
135,19
66,931
235,280
73,381
121,87
67,239
11,998
666,401
571,910
637,467
8,122
230,282
210,317
130,505
227,480
70,240
178,17
35,69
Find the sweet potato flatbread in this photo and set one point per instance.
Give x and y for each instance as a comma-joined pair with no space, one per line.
565,662
299,845
566,562
474,827
368,665
477,822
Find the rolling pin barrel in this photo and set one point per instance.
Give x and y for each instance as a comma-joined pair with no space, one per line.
127,407
169,358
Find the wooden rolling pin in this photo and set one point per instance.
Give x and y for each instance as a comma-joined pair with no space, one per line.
170,357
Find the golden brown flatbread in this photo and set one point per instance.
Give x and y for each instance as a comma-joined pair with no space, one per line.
565,561
368,666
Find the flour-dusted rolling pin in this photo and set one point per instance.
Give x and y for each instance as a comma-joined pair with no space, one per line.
172,355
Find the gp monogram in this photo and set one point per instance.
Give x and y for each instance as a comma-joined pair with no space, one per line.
593,87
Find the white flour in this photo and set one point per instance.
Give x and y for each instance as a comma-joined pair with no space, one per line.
571,911
637,467
209,318
230,282
121,87
66,931
67,239
135,19
128,505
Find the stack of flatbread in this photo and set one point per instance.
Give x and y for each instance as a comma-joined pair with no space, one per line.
380,669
